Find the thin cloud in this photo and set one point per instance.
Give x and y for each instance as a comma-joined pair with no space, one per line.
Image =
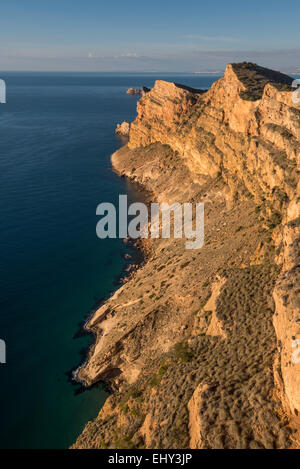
195,60
250,53
210,38
131,55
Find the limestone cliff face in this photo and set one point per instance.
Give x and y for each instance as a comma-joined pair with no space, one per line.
196,342
253,142
254,145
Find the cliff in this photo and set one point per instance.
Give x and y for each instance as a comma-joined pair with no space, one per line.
199,346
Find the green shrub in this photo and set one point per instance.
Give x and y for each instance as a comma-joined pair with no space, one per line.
124,443
163,368
155,381
134,412
182,352
124,407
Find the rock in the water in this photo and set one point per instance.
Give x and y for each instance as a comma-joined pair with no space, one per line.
133,91
123,129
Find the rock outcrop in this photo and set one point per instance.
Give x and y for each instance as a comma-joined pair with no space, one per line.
123,129
137,91
201,346
133,91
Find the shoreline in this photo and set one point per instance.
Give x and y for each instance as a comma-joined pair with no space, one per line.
140,256
174,346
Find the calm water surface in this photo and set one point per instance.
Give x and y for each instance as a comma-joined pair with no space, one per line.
56,137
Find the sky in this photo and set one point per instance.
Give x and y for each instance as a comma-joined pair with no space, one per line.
153,36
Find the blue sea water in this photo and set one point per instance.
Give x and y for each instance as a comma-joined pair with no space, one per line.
56,138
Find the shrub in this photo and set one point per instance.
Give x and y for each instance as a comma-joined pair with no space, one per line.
155,381
124,407
182,352
134,412
124,443
163,368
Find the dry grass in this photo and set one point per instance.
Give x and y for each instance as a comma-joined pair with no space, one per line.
236,409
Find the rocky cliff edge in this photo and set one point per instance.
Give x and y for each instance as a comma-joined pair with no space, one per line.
201,346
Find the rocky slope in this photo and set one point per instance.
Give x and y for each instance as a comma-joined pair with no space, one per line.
200,346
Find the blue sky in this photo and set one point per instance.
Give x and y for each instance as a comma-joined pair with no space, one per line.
119,35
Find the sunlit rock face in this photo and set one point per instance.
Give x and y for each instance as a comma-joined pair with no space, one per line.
246,128
123,129
233,307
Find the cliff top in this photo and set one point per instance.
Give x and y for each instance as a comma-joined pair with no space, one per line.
255,78
188,88
249,80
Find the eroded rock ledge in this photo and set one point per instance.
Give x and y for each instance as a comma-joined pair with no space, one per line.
199,344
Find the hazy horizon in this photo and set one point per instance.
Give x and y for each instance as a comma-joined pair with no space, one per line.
161,37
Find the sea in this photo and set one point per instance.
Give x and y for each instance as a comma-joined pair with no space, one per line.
56,138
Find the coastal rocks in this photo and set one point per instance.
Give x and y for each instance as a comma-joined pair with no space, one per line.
247,129
123,129
145,89
134,91
137,91
219,131
189,340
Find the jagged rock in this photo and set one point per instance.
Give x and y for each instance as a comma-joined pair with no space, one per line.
137,91
123,129
133,91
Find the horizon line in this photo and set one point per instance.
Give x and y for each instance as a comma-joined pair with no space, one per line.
113,71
